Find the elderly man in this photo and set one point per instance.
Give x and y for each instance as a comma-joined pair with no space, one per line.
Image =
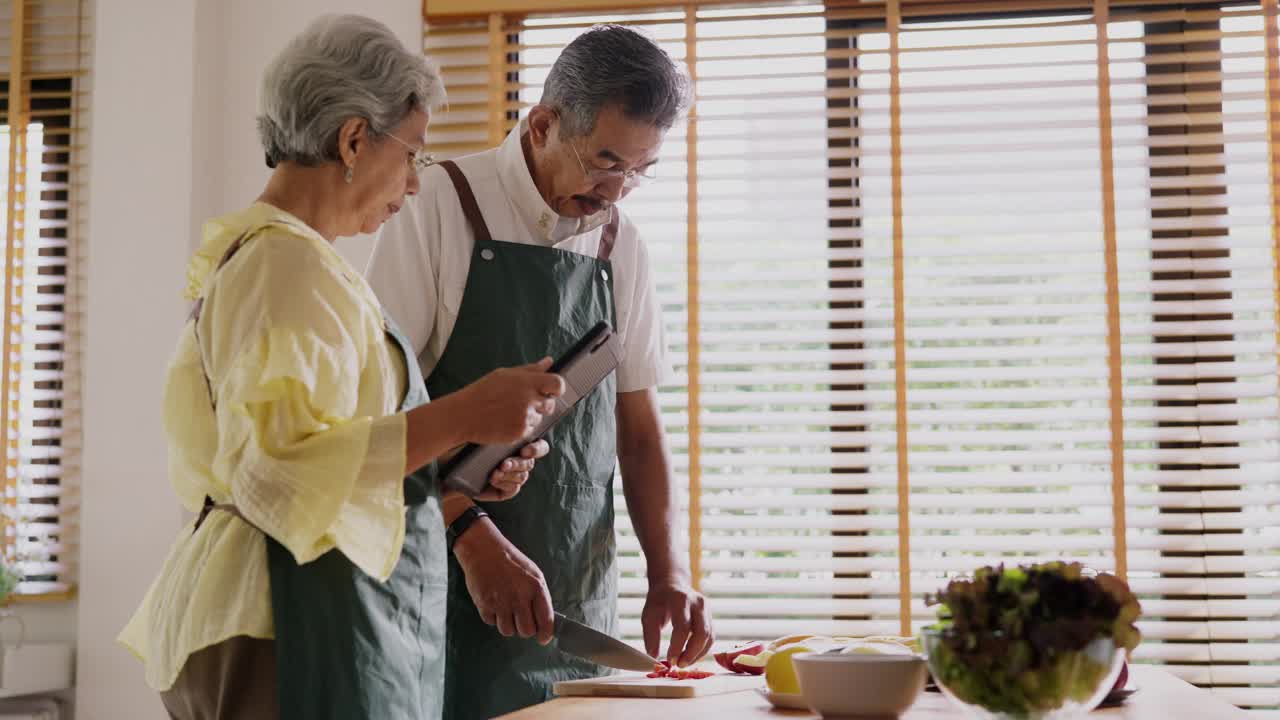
507,256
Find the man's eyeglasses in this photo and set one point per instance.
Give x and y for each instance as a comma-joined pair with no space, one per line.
630,178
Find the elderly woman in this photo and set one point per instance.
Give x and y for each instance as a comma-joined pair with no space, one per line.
312,582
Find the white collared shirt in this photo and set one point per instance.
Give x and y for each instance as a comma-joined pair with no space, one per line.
422,256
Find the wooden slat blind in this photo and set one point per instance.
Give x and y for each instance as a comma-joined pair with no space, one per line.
44,64
950,284
693,305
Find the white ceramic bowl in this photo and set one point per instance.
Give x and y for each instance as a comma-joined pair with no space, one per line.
860,685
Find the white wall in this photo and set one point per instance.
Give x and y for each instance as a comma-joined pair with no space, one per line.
175,89
261,30
140,211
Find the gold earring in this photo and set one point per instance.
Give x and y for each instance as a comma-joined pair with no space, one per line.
349,174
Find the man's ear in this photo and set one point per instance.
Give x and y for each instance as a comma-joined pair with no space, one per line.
543,120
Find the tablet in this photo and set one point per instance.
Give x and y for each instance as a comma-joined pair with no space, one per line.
583,367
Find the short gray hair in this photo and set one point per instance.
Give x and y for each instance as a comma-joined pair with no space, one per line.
340,67
612,64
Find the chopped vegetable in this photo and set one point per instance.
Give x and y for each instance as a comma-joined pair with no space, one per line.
1017,640
666,671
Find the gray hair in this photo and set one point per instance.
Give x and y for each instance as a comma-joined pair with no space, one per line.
340,67
612,64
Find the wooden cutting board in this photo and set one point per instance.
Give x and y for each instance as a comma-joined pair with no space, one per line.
637,685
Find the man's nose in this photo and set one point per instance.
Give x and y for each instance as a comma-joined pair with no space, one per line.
613,188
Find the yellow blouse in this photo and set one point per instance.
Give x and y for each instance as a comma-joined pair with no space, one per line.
306,439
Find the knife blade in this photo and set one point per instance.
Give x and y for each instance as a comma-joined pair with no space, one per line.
590,644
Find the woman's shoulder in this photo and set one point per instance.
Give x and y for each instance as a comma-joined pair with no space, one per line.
280,254
283,277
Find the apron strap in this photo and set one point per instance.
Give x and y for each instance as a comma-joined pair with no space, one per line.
608,235
226,258
194,317
471,209
468,199
210,506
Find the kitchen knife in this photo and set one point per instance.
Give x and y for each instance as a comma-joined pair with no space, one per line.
577,639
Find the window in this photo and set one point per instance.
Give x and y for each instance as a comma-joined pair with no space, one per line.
945,292
42,135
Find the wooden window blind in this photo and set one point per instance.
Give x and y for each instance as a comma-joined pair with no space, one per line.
43,110
951,284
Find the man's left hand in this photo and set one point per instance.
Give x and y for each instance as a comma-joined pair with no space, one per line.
507,479
685,609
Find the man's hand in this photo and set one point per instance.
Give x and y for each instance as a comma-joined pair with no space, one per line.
507,479
685,608
507,588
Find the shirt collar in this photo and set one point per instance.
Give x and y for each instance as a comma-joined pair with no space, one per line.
517,181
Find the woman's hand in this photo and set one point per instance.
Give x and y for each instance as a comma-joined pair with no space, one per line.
513,473
508,404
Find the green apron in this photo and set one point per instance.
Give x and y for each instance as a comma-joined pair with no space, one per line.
348,646
521,303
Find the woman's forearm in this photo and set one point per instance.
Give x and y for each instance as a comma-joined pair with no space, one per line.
431,430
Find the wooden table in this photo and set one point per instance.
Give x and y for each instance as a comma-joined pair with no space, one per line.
1161,696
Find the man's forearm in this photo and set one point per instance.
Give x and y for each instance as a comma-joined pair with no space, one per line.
651,503
452,504
648,486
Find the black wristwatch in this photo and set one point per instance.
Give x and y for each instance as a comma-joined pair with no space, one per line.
462,522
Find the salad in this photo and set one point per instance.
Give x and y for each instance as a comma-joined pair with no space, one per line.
1032,638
